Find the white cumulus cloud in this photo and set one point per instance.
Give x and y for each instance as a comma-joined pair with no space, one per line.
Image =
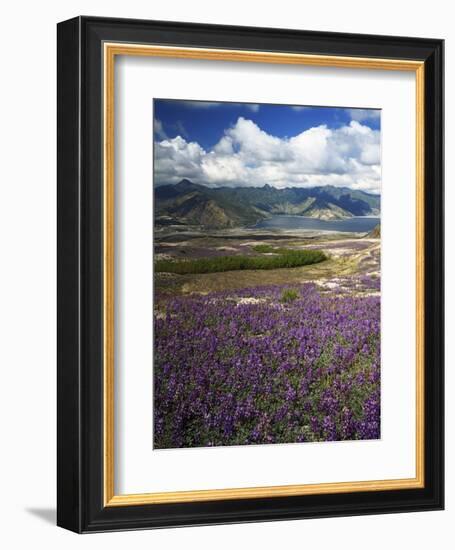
246,155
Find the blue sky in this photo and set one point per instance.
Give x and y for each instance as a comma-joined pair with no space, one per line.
205,122
243,144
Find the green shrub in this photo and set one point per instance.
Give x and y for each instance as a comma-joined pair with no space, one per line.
263,248
289,295
290,258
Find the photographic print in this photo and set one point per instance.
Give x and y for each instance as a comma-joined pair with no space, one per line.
266,273
238,278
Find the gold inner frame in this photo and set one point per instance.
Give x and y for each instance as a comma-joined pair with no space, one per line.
110,50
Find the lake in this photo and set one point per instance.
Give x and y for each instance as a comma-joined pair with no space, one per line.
359,224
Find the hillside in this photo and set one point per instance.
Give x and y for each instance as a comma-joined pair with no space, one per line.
224,207
375,233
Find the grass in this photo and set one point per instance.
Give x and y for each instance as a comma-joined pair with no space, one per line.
289,295
267,249
263,248
286,259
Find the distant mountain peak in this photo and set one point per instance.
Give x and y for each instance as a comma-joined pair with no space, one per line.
185,183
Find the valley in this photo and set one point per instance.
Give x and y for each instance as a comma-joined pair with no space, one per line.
188,203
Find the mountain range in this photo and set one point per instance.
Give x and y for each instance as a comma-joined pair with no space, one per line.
190,203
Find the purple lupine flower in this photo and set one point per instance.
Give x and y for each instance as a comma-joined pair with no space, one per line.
230,371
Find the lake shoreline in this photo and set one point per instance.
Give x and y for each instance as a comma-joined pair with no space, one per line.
356,224
359,228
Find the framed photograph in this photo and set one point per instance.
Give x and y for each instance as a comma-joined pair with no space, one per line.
250,274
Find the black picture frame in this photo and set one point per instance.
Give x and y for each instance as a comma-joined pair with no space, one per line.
80,474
